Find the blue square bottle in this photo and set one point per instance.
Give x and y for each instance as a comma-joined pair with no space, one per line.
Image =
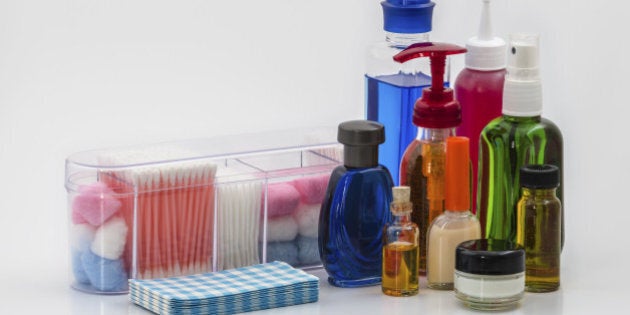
356,208
391,88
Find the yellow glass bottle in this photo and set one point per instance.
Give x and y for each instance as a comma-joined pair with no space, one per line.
539,222
400,248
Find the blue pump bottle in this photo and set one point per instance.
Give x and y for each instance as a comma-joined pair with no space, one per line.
356,209
393,88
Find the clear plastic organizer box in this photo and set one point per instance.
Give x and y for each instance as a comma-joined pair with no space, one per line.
196,206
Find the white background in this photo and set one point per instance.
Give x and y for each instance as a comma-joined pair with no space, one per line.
85,74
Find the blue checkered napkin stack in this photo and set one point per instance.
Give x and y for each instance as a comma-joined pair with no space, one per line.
245,289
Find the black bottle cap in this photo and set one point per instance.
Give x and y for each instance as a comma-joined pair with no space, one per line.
538,176
490,257
360,139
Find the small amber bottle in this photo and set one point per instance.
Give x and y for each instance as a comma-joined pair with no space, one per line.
400,248
539,219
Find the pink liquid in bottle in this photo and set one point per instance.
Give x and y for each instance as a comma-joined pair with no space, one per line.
480,94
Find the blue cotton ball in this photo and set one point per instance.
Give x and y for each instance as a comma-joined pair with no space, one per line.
77,269
105,274
308,250
283,251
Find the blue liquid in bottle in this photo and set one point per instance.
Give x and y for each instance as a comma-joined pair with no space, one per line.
356,208
390,101
354,213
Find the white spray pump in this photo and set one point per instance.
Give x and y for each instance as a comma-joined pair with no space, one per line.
522,94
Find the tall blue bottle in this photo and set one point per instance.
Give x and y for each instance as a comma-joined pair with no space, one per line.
356,208
393,88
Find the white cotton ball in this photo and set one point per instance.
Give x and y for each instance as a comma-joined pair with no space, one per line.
282,228
307,217
81,236
109,240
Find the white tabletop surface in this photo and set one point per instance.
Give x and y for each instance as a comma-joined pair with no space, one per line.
598,288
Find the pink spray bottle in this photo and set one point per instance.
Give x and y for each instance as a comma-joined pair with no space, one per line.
479,87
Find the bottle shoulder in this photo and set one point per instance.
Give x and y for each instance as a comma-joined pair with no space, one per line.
547,124
409,226
480,81
531,126
450,220
544,200
377,173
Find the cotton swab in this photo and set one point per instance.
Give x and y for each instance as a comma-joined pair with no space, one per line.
238,214
172,212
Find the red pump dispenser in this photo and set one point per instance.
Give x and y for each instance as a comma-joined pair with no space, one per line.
436,114
437,108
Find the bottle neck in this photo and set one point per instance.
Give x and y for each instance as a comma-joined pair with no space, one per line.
435,134
360,156
539,193
401,40
521,120
401,218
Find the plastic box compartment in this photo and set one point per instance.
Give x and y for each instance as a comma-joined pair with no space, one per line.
196,206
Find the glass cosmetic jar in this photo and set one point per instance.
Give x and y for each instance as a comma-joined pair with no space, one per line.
489,274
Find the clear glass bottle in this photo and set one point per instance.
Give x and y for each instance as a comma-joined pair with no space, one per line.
538,229
519,137
457,224
355,209
422,169
400,248
436,114
393,88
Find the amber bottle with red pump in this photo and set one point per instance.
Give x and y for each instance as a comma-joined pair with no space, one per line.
436,114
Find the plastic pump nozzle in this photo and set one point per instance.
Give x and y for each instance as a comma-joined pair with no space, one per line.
485,51
485,27
522,94
437,108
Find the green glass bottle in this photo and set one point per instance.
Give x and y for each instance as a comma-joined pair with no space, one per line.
519,137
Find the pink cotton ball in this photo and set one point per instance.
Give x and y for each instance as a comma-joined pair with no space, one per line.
312,188
94,204
77,218
282,199
95,188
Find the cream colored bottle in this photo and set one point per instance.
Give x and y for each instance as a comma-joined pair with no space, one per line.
457,224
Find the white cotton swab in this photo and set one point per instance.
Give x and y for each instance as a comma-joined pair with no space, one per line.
238,214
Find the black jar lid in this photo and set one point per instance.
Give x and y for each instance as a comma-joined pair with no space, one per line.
490,257
540,176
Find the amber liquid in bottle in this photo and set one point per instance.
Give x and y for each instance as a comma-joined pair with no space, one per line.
539,232
400,269
422,169
400,248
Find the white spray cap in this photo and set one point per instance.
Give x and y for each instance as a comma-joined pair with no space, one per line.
485,52
522,93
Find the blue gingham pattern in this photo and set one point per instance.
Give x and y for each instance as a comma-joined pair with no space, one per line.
245,289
